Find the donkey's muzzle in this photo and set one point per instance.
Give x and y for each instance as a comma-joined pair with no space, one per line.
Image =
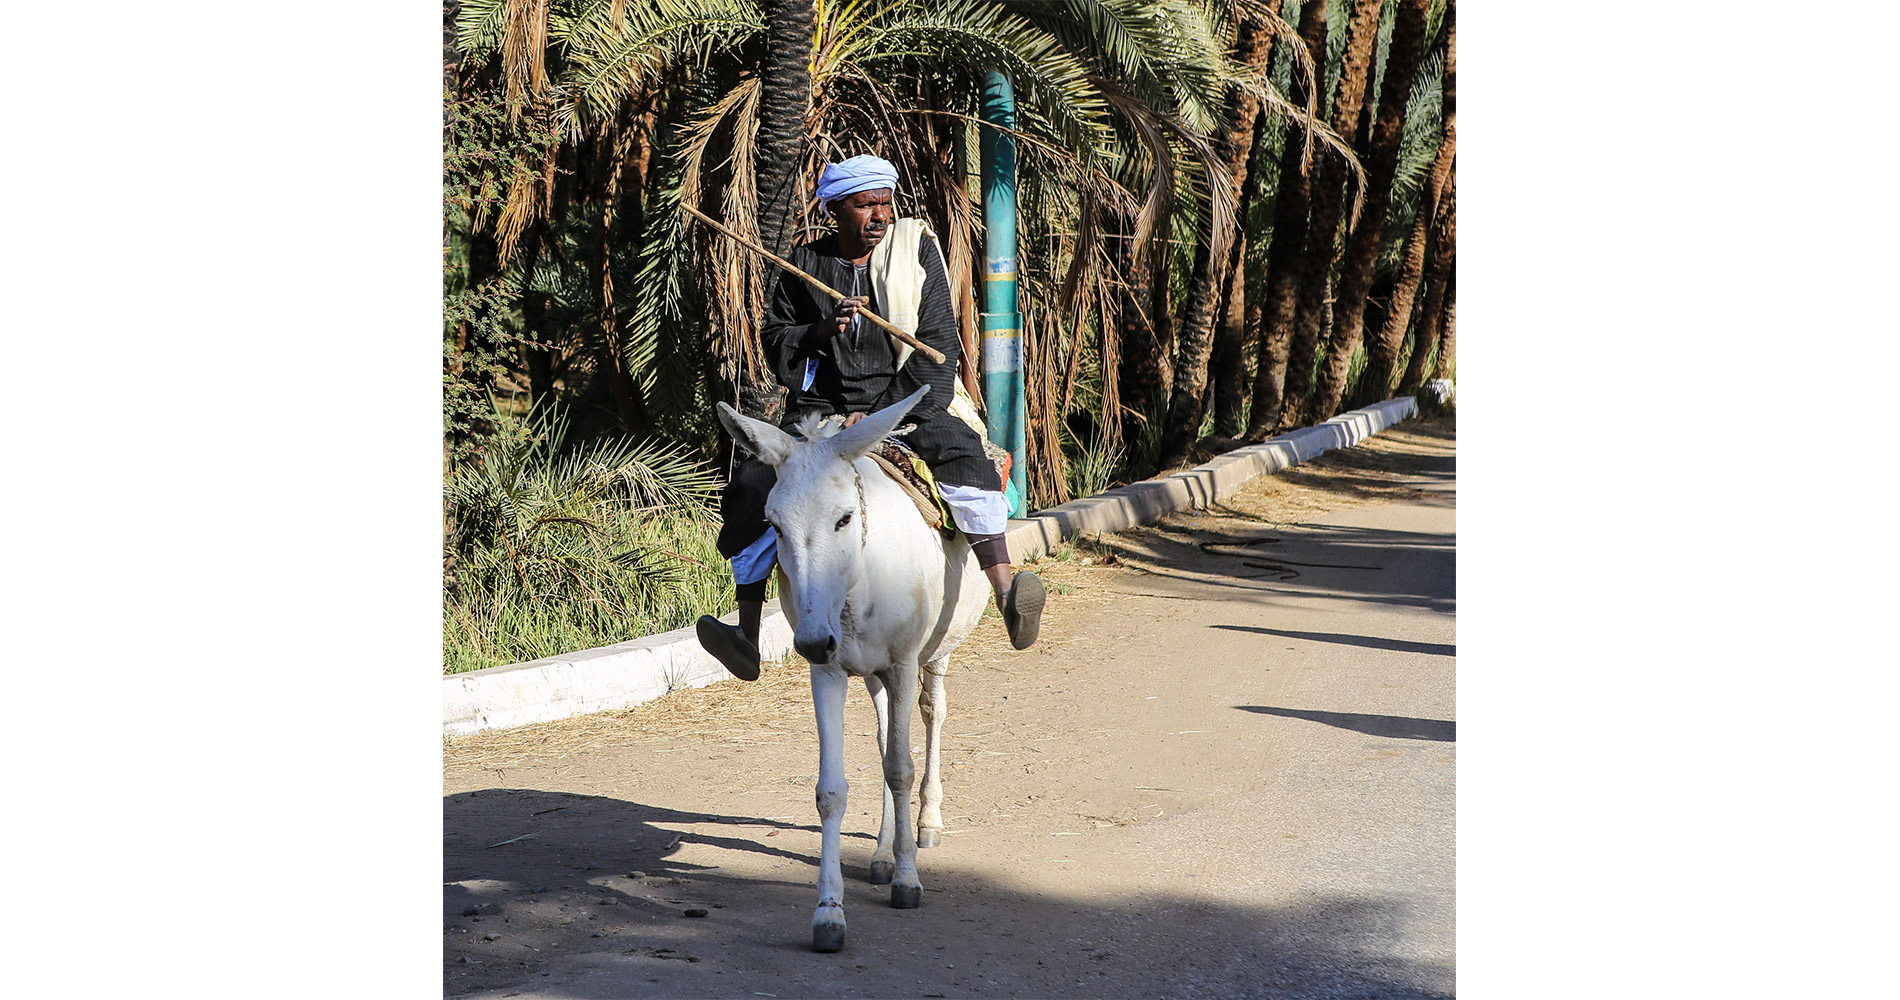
817,649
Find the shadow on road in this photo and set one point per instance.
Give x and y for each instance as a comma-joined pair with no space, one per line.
1398,727
544,903
1246,545
1366,472
1369,642
1246,556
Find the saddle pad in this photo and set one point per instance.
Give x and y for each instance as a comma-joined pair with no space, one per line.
910,472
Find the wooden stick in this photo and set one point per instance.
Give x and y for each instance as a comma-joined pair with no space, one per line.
895,331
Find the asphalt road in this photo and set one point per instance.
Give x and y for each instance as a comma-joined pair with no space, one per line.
1228,770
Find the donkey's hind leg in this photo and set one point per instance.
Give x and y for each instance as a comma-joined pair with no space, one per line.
932,703
884,858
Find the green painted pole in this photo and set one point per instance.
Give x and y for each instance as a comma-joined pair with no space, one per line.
1002,322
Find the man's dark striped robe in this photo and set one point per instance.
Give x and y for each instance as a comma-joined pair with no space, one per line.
856,372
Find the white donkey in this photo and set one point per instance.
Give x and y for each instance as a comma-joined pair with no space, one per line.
871,591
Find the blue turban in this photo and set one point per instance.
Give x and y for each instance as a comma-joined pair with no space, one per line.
859,173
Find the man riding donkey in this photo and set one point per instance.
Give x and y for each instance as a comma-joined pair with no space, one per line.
834,363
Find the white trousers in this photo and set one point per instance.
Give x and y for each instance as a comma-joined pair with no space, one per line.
975,511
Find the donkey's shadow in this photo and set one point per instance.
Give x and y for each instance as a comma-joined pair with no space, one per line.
535,839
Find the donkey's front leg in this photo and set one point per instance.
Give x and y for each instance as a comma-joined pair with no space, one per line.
934,707
883,859
827,699
899,776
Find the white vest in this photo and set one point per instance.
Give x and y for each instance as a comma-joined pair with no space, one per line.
899,281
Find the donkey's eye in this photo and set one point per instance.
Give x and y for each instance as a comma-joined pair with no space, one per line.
846,519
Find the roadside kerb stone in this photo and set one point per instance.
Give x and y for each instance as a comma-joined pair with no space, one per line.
592,680
1141,503
629,673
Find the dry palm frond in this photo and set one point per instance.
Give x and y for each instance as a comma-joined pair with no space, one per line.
1152,218
529,195
1332,141
1308,117
524,52
1222,197
730,275
878,118
622,138
1045,459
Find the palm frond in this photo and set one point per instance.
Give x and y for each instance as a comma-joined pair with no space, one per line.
610,56
1050,82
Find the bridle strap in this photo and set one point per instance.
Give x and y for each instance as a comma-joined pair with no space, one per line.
864,527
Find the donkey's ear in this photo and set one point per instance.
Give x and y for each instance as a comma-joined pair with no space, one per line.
760,438
855,441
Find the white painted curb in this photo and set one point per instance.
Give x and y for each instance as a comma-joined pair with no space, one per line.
629,673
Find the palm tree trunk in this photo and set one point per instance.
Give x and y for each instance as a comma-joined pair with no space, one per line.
1229,363
1430,311
1382,351
1444,280
1322,234
1161,317
1362,247
784,104
1213,266
1135,340
1197,334
1270,316
1229,378
1447,330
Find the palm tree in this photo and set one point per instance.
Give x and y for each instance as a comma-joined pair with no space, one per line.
1271,319
1218,265
1382,351
597,79
784,103
1114,97
1220,255
655,103
1434,337
1322,234
1447,328
1362,247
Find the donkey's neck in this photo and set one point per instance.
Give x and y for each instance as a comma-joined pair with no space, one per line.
902,555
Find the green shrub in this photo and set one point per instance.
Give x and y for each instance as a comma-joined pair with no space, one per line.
552,548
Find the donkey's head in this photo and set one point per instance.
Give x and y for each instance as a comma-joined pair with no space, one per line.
817,509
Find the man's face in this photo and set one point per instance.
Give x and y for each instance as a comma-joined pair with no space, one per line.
865,215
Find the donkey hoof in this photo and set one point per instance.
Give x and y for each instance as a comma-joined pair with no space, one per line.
827,937
926,837
906,897
882,872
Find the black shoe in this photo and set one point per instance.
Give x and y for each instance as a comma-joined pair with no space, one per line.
728,645
1022,609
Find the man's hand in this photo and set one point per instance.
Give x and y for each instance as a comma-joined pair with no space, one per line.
852,418
847,309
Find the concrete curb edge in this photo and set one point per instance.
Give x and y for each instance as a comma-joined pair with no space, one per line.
630,673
